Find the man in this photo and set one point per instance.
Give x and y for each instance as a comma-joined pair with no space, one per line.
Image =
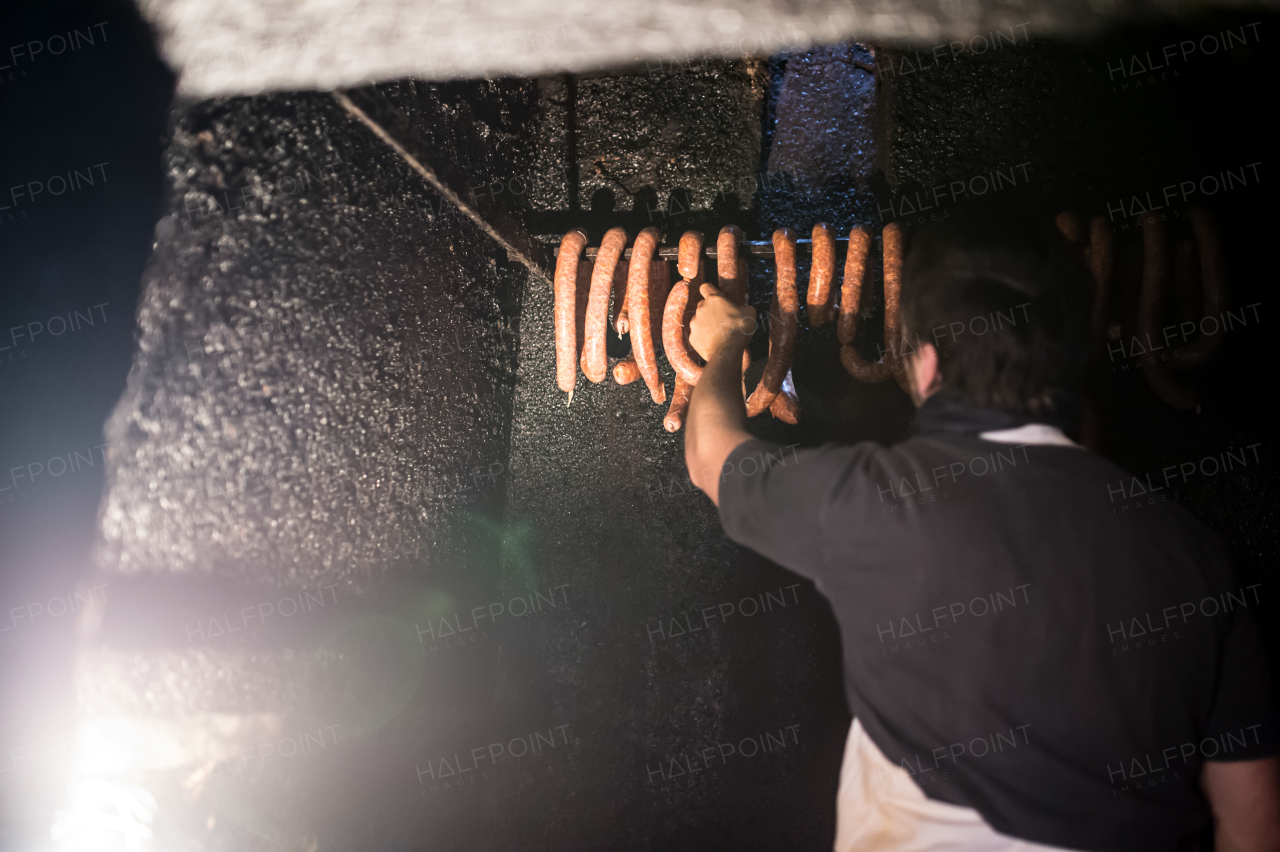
1033,659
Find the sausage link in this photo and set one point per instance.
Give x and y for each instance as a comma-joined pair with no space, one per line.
595,358
786,405
584,289
689,263
675,317
783,324
641,296
675,343
855,267
731,275
864,371
565,292
1213,278
1102,264
625,371
1069,224
893,240
679,405
1155,280
818,298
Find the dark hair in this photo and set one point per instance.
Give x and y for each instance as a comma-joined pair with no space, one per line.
1006,304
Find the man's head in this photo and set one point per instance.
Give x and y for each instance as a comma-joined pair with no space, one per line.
996,314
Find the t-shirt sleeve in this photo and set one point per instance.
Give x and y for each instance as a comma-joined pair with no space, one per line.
1244,707
776,500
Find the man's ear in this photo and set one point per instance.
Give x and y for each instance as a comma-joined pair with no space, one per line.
923,367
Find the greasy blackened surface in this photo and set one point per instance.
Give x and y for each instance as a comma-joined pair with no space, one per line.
319,405
824,113
322,358
825,158
632,140
603,501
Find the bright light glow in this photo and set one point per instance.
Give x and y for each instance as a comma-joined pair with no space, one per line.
105,816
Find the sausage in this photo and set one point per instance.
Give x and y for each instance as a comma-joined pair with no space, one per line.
818,298
1155,280
641,296
1213,278
690,260
864,371
689,263
732,278
786,405
625,371
893,239
595,359
565,290
1069,224
680,307
679,405
675,317
855,267
786,408
730,274
783,324
1101,264
580,315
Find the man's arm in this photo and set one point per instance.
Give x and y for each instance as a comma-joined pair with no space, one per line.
715,425
1245,797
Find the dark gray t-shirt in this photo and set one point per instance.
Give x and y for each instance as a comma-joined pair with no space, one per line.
1024,631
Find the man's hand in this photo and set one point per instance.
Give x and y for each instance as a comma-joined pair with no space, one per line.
718,323
717,415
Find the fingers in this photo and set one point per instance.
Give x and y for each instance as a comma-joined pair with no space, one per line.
709,290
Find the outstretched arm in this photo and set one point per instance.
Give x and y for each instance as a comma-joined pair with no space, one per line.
717,417
1245,797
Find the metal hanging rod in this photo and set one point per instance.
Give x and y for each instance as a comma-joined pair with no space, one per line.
755,248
